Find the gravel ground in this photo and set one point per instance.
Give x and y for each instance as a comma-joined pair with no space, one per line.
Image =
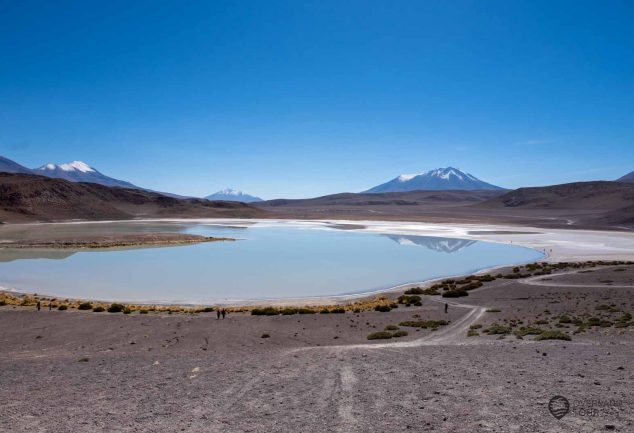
84,372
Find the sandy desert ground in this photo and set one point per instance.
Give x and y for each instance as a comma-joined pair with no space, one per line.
83,372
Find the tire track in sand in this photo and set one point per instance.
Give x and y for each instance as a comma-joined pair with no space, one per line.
347,420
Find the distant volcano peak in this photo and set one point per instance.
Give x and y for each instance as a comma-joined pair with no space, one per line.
444,178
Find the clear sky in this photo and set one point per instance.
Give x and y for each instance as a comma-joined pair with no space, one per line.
304,98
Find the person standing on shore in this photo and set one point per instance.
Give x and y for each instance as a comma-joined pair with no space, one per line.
446,307
218,314
39,305
223,313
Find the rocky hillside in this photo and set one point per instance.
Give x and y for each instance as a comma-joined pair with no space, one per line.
26,197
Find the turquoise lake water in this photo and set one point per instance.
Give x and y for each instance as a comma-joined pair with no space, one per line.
272,261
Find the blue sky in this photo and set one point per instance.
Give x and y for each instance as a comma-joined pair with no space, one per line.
303,98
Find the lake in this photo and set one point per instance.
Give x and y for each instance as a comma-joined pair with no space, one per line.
272,260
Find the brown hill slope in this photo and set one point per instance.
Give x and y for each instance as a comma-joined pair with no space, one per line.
592,204
405,206
605,205
596,196
26,197
410,198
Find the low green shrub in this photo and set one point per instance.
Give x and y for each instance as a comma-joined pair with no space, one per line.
596,321
391,328
383,308
432,324
455,294
399,334
305,311
338,310
141,311
85,306
62,307
431,291
116,308
515,276
267,311
381,335
528,330
465,280
414,291
265,335
497,329
409,299
493,310
471,286
565,319
610,308
472,333
98,309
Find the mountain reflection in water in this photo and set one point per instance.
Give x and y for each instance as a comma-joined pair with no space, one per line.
445,245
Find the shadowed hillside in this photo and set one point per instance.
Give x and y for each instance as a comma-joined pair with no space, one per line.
579,195
627,178
26,197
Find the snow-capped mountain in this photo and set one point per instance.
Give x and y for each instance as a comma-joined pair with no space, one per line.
439,179
233,195
8,166
78,171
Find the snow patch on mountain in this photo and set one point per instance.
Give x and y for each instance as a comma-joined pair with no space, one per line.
406,177
70,166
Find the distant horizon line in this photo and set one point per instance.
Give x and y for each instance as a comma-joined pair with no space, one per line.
68,166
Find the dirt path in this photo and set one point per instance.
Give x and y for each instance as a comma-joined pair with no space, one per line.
451,334
546,281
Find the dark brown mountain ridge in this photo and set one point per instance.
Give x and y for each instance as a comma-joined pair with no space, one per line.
25,197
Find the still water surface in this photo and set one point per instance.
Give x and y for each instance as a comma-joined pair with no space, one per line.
271,261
